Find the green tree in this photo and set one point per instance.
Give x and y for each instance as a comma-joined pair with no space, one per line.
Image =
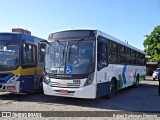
152,45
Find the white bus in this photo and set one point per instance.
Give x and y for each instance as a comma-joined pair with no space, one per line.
87,63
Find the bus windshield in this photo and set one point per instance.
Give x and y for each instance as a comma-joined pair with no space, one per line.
72,57
9,57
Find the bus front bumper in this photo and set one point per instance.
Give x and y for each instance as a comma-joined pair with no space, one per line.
88,92
10,87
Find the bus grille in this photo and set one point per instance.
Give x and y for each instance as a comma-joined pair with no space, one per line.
68,85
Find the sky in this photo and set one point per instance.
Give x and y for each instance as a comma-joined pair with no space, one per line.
124,19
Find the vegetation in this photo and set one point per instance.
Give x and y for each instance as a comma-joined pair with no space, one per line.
152,45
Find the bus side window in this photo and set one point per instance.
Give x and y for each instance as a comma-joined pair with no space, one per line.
29,55
102,55
42,51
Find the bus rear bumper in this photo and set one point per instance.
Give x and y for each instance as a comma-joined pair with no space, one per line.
10,87
88,92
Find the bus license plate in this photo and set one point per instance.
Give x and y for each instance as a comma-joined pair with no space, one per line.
63,91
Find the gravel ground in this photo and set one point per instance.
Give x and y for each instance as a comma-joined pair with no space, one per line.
143,98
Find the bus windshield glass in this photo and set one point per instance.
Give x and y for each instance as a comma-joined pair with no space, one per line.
72,57
9,56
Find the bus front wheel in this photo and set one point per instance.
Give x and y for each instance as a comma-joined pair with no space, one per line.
112,89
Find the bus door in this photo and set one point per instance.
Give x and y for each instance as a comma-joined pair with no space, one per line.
47,58
29,64
102,63
46,55
42,57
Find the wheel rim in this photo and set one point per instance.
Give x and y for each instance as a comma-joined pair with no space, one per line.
41,85
112,89
137,83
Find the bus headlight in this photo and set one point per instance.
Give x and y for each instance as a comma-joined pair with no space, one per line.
13,79
89,79
47,80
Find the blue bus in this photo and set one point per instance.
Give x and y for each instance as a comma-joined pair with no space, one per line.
22,60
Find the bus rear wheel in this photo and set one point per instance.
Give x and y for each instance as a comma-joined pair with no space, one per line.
136,85
40,89
41,84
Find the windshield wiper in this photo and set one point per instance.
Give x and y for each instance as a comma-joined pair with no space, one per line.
79,41
4,45
60,43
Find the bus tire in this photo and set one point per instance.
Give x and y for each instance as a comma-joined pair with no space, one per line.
136,85
112,91
40,88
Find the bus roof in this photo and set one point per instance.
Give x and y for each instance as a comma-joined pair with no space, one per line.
29,37
106,36
73,29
